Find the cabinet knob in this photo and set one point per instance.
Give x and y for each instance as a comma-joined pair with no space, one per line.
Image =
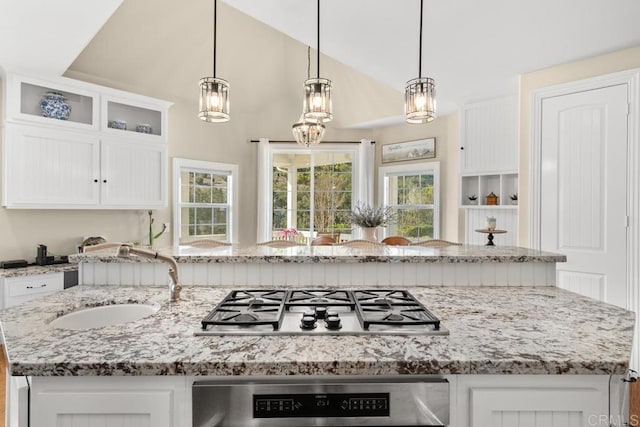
104,180
462,148
95,180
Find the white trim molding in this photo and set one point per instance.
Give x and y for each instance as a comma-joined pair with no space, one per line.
422,168
630,78
208,167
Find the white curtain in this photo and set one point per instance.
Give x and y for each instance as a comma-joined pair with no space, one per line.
264,222
367,165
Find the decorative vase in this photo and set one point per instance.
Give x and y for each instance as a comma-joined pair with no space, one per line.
369,233
54,105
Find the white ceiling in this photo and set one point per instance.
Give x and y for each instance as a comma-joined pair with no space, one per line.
474,50
45,36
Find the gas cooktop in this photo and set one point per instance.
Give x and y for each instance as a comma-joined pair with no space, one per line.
320,312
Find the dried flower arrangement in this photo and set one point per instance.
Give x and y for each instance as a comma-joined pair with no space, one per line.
364,215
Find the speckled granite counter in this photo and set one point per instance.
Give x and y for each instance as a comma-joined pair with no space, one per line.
524,330
330,266
338,254
37,269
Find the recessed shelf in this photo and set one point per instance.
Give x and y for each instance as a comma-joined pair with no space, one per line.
81,105
502,185
134,116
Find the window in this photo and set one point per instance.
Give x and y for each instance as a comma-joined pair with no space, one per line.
412,191
204,200
312,191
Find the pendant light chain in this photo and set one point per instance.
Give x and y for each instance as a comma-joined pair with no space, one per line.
318,52
420,52
215,30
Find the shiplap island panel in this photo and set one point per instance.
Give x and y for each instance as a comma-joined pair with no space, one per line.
330,265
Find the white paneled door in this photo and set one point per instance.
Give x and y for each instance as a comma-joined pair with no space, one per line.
583,190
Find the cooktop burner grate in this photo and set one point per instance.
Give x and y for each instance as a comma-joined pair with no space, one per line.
319,297
321,311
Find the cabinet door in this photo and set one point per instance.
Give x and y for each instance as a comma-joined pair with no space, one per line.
116,408
25,288
538,408
534,400
133,174
45,168
489,136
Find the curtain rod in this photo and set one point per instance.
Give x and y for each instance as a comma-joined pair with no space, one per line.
323,142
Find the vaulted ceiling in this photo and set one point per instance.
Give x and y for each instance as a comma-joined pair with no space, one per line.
474,50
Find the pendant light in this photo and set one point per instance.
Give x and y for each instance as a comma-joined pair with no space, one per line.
214,92
420,93
308,132
317,92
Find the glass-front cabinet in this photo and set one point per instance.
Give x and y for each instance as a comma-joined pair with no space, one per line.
43,102
74,145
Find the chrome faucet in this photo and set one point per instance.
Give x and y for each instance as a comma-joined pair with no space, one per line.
174,287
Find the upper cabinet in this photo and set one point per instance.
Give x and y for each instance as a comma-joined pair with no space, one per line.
61,104
489,137
73,145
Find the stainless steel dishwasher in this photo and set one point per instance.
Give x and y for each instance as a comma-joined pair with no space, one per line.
321,401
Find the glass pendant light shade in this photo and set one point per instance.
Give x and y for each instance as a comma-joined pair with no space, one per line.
420,100
307,132
317,100
214,100
420,93
214,92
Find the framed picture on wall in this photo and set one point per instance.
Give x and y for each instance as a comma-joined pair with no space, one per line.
410,150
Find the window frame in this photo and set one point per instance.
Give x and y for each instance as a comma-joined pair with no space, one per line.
384,172
280,148
229,169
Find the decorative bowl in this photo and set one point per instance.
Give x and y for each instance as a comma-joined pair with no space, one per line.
118,124
143,128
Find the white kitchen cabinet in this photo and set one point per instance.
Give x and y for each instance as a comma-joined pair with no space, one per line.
47,168
109,402
533,400
17,290
23,95
489,164
133,174
489,136
67,170
83,162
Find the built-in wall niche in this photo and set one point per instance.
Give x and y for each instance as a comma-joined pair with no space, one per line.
132,118
502,185
81,105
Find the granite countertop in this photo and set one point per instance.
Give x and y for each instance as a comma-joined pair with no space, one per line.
37,269
492,330
337,254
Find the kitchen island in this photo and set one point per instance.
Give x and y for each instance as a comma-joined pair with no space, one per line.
529,351
329,266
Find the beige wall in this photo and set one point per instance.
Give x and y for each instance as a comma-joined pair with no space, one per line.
618,61
266,70
445,130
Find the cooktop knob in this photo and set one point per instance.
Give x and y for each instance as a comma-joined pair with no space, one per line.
308,322
309,313
333,323
332,313
321,312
